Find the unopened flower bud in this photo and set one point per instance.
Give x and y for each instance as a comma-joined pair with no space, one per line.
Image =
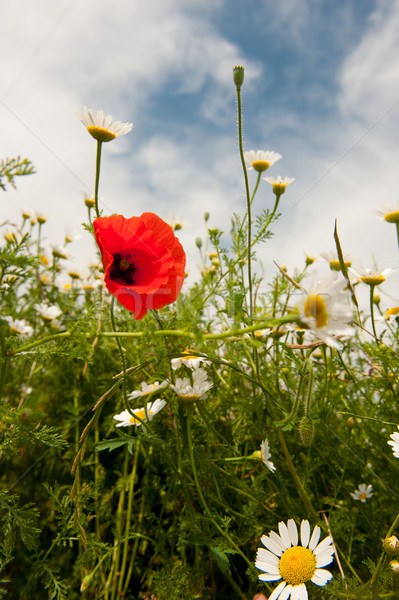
306,431
238,76
198,242
391,545
206,217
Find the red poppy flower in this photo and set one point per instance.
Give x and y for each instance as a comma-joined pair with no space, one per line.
143,261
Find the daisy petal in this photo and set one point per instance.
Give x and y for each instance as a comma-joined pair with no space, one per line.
276,593
326,543
293,532
286,593
266,577
271,545
321,576
305,533
285,536
314,540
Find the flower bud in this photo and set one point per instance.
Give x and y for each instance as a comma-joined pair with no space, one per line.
391,545
306,431
238,76
394,565
198,242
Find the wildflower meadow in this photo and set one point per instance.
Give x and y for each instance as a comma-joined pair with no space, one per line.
215,438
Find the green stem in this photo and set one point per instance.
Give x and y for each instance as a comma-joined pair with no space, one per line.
121,354
3,359
372,309
98,163
239,114
376,574
128,518
397,230
200,494
278,196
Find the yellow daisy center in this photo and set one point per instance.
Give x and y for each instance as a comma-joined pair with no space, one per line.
392,217
335,266
392,311
363,496
260,165
297,565
373,279
141,415
101,134
315,307
187,356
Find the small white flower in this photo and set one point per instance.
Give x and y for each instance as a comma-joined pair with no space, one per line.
59,252
261,160
28,213
325,310
48,312
41,217
71,236
295,564
19,326
147,388
195,391
100,126
176,223
395,443
333,260
265,455
189,360
146,413
279,184
372,277
363,492
388,212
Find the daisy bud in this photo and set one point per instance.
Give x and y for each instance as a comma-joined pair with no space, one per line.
206,217
394,565
306,431
198,242
391,545
238,76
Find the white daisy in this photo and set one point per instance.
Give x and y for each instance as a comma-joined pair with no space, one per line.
189,360
279,185
363,492
388,212
395,443
19,326
147,388
265,455
100,126
333,260
261,160
391,313
325,309
372,277
193,391
293,563
146,413
48,312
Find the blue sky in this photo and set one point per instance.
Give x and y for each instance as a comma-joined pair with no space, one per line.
321,88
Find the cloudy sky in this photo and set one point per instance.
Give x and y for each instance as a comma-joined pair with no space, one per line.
321,88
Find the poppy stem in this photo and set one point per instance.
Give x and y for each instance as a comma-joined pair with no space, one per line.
98,163
121,353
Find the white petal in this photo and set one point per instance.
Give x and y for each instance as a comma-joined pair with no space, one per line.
285,536
275,543
277,591
322,547
267,568
325,558
315,538
321,576
286,593
267,556
266,577
299,592
293,532
270,545
305,533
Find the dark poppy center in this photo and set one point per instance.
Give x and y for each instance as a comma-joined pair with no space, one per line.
124,266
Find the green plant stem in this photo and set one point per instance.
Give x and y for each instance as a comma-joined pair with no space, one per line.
249,266
376,574
98,164
3,359
128,517
278,196
372,309
121,354
397,230
200,494
295,477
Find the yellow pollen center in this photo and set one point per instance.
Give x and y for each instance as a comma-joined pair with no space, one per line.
335,266
315,307
101,134
392,311
141,415
362,496
260,165
297,565
373,280
392,217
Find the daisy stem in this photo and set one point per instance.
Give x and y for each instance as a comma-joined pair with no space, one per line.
397,230
114,573
239,114
278,196
372,309
122,355
128,517
376,574
98,163
199,491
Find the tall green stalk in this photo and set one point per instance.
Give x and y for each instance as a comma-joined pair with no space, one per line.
98,164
